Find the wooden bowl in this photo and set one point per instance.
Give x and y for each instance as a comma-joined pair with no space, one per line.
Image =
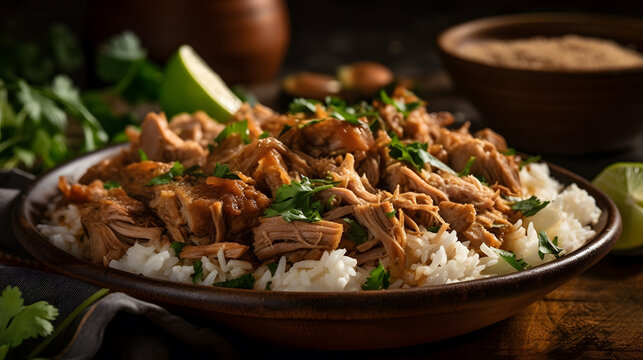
551,112
356,320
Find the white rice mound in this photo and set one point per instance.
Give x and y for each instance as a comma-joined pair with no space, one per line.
431,258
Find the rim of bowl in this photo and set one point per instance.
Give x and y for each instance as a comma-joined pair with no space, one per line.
315,305
450,39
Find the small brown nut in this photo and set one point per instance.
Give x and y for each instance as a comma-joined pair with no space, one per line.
364,78
311,85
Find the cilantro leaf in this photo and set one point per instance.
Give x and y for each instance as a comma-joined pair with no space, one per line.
111,185
509,152
295,201
378,279
301,105
223,171
272,267
39,107
346,116
467,167
529,207
237,127
547,247
198,271
401,107
510,258
18,322
175,171
482,180
310,123
177,247
391,214
143,155
246,281
264,135
434,228
66,48
356,232
116,56
529,160
415,154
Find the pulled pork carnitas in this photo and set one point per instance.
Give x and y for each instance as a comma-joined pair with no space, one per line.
324,176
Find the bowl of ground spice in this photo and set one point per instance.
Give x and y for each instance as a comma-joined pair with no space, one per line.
552,83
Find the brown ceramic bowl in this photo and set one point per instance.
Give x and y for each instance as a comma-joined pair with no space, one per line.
327,320
551,112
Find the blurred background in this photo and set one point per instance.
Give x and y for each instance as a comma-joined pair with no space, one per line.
256,43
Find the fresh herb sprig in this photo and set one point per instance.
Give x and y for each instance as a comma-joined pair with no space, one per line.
356,232
237,127
416,155
401,107
295,200
378,279
529,207
467,166
545,246
175,171
245,281
510,258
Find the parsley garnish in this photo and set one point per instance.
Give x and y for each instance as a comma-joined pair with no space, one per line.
295,201
529,207
404,108
198,271
482,180
311,122
237,127
531,159
223,171
284,130
175,170
378,279
434,228
143,155
301,105
509,152
264,135
272,267
356,232
177,247
269,285
246,281
111,185
547,247
415,154
210,148
510,258
467,167
19,322
391,214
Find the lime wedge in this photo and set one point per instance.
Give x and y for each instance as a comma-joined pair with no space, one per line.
189,84
623,182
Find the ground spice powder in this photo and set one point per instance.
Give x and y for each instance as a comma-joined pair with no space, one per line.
569,52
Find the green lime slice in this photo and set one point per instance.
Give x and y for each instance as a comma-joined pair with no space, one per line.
623,182
189,85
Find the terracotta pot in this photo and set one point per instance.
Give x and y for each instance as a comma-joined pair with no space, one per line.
242,40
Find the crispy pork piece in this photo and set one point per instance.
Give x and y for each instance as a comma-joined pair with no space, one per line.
275,237
493,137
231,250
113,223
160,143
331,137
385,228
109,169
198,127
78,193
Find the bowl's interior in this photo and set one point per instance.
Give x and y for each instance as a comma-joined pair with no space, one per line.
625,31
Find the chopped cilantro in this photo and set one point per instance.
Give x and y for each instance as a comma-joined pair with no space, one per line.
264,135
295,201
237,127
391,214
284,130
301,105
403,108
175,170
210,148
177,247
356,232
510,258
143,155
434,228
482,180
415,154
346,116
529,207
19,322
547,247
467,167
198,271
311,122
273,267
246,281
223,171
111,185
269,285
378,279
529,160
329,202
509,152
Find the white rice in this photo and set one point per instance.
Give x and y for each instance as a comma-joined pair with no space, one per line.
432,258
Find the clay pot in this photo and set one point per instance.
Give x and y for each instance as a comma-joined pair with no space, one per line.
242,40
